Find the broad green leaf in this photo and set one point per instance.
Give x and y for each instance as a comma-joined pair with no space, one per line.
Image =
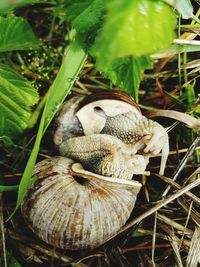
127,72
70,68
137,28
17,96
86,17
16,34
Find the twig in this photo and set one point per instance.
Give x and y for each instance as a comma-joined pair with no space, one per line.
174,224
126,250
186,223
2,236
174,152
154,240
182,163
186,42
177,186
189,120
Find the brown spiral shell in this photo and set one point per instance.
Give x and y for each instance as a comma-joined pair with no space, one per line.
73,212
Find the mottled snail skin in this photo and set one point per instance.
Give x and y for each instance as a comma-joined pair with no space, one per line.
73,213
117,116
105,155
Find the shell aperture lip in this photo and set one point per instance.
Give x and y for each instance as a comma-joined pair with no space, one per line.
92,122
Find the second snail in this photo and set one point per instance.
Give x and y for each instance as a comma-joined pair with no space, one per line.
84,196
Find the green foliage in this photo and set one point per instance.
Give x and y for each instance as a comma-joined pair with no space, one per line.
126,73
15,34
86,17
17,96
12,262
190,94
135,28
113,32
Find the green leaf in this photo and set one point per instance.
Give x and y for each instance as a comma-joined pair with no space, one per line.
7,6
17,96
16,34
127,72
138,27
70,68
190,94
12,262
86,17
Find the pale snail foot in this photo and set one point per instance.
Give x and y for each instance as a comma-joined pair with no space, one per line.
105,155
123,166
134,129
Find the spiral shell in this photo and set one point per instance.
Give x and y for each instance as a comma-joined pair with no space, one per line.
85,115
73,212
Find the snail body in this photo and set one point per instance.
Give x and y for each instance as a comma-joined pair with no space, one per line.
83,197
76,213
115,114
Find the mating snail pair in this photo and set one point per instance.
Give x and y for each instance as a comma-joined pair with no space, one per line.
84,196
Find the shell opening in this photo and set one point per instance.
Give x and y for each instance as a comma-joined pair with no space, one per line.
78,170
80,180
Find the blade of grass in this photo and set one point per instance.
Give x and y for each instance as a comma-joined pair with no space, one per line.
8,188
70,68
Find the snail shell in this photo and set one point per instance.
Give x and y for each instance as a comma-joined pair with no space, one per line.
74,209
85,115
111,113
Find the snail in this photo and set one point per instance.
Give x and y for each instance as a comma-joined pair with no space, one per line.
111,113
83,197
